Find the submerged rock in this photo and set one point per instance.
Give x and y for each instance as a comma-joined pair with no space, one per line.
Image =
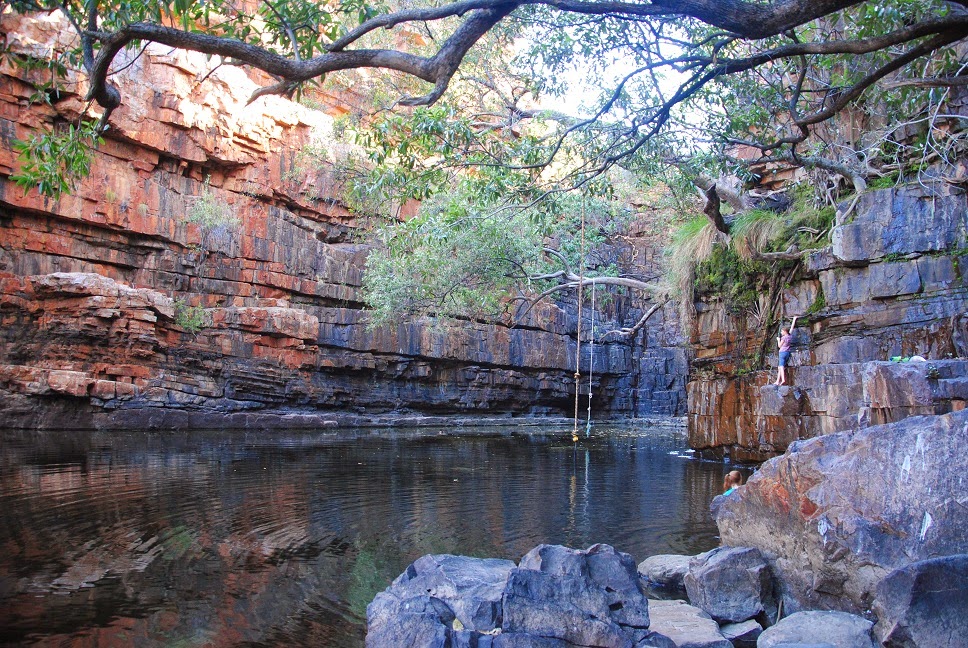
924,604
816,629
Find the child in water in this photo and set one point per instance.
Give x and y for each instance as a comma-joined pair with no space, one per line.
732,481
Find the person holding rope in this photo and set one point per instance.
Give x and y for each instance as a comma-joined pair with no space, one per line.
783,342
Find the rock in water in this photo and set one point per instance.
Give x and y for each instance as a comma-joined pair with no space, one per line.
731,584
831,629
924,604
836,514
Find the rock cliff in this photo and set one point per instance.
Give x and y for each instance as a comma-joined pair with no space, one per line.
120,307
892,283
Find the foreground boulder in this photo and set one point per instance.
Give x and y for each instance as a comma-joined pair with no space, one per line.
587,598
924,604
556,598
816,629
731,584
665,571
836,514
435,595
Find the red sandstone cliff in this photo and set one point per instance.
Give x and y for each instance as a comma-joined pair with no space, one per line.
98,289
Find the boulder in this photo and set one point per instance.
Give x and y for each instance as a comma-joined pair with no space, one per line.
924,604
742,635
452,592
687,626
589,598
731,584
665,570
414,621
831,536
819,628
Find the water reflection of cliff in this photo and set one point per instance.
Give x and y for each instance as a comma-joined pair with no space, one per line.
229,539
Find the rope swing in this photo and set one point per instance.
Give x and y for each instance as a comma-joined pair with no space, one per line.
591,366
591,337
581,283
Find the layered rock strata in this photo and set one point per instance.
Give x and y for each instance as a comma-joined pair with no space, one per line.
892,284
206,273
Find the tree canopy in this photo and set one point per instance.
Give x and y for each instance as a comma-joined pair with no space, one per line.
703,87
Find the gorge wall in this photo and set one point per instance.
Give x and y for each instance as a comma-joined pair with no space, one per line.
891,284
118,311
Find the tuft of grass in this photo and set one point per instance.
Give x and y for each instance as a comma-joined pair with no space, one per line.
191,318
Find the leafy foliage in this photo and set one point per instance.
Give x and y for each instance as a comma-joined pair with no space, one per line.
448,261
53,161
210,213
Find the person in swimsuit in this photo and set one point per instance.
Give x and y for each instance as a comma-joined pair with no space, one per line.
783,342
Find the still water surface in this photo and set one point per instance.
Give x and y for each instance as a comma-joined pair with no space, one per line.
281,539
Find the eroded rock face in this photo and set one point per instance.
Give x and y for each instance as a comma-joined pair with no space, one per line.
423,602
120,309
836,514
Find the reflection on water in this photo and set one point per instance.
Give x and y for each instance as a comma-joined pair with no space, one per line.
269,539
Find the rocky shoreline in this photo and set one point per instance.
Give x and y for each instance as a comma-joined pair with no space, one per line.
812,556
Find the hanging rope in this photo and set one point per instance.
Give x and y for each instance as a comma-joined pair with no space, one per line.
581,282
591,365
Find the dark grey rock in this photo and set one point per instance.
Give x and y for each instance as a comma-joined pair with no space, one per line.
901,221
665,570
924,604
743,635
835,629
414,621
731,584
587,597
436,590
687,626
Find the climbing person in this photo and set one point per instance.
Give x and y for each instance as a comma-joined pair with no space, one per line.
783,342
732,481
